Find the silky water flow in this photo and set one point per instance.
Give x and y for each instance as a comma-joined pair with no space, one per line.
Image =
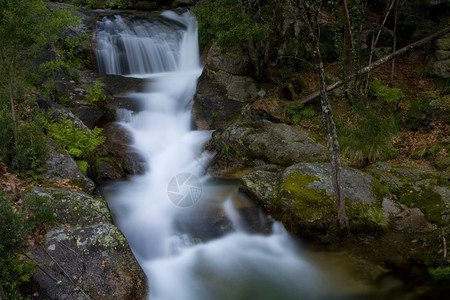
183,227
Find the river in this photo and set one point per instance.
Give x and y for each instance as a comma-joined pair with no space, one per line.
195,237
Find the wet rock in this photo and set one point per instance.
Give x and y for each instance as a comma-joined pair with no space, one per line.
302,197
61,167
74,207
212,108
90,116
107,172
443,44
92,262
442,54
118,144
412,220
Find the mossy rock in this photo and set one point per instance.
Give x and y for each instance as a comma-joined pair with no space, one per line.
93,262
414,188
301,196
75,208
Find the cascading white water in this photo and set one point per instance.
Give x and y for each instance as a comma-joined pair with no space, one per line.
179,262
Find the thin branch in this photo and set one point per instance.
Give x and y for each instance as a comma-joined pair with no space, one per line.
380,62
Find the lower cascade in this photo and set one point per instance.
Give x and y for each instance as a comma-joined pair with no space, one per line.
184,227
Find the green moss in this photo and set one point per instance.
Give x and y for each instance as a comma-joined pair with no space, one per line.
428,201
378,189
440,273
310,203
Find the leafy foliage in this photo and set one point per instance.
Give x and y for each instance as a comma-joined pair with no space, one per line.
440,273
40,211
28,154
385,93
95,93
223,21
297,111
78,142
14,269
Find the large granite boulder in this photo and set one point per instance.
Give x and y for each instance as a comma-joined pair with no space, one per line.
301,196
272,143
86,256
92,262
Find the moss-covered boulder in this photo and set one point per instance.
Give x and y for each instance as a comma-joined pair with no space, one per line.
302,197
416,188
93,262
84,256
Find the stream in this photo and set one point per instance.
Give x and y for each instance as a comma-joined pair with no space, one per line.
195,237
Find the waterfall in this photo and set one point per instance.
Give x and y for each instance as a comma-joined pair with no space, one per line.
162,211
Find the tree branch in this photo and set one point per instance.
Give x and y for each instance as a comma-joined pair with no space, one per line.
379,63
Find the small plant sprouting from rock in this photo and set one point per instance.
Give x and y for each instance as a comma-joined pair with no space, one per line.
79,143
296,112
95,93
376,215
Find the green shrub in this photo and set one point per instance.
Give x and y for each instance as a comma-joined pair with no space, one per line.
30,149
79,143
368,139
440,273
29,152
296,112
385,93
376,215
14,269
95,93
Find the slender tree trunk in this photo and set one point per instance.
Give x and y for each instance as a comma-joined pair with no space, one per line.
394,45
11,98
380,62
311,21
348,41
374,43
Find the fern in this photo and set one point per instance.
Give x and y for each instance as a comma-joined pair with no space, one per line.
79,143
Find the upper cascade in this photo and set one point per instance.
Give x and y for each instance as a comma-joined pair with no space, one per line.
137,45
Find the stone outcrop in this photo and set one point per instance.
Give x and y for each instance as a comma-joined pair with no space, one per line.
302,197
86,257
118,145
61,167
265,141
441,67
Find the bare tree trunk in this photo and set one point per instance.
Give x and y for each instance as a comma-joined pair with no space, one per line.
311,21
394,45
380,62
11,99
374,43
348,41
